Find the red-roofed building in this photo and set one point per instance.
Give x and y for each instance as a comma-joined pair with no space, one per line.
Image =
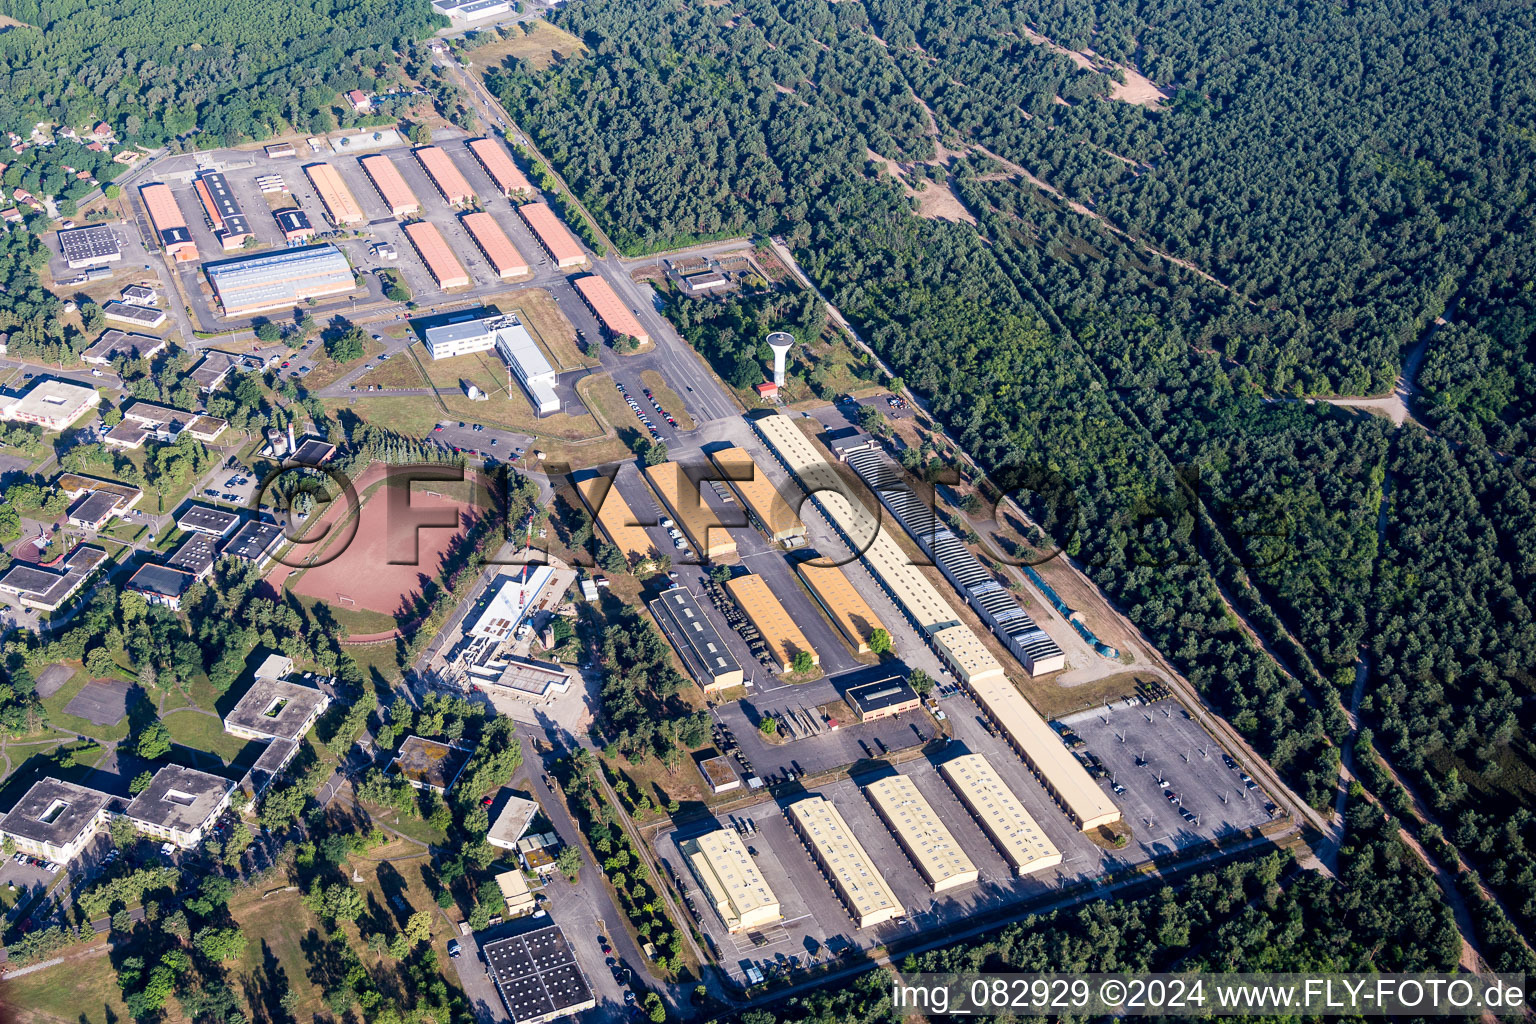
360,101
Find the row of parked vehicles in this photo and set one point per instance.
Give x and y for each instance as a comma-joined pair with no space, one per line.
739,622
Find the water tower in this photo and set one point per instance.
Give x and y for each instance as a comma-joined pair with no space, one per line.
781,342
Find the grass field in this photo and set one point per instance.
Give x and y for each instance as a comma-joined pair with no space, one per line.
86,993
198,731
538,46
328,370
398,371
538,310
505,409
670,400
356,621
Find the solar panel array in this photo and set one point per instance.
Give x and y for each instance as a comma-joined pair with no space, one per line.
992,601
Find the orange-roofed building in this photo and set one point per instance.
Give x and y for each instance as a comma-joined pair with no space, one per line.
610,309
503,256
434,252
498,163
553,235
339,202
445,176
397,195
170,226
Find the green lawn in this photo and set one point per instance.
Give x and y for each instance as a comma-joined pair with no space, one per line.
356,621
85,993
198,731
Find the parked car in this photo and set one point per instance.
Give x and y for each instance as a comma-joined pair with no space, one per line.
454,949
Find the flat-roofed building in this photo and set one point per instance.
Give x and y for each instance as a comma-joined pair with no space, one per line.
280,279
495,245
94,245
169,224
313,452
681,498
731,880
610,310
279,150
144,420
516,894
445,176
428,764
865,893
718,774
180,805
615,519
967,655
765,506
196,556
94,509
498,163
844,605
1062,775
1000,813
882,698
698,284
783,637
339,202
436,256
138,316
511,822
512,597
553,235
697,642
213,369
116,344
929,844
295,226
254,542
223,210
46,590
206,519
276,709
51,404
537,976
54,819
512,342
141,295
391,186
161,584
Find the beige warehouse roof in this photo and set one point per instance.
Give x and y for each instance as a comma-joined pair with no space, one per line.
779,631
930,845
736,888
613,515
1017,836
852,615
339,202
681,497
434,252
858,882
758,493
967,654
1063,777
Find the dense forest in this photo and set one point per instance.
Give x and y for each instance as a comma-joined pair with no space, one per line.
232,70
1330,181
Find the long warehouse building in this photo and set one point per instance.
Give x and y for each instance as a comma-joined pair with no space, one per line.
339,202
930,846
763,610
697,642
279,279
446,177
553,235
613,516
1001,815
766,507
223,210
390,185
844,605
494,244
170,226
503,170
732,881
609,309
993,602
865,893
439,260
1070,785
681,498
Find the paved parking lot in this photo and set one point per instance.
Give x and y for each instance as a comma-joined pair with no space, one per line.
102,701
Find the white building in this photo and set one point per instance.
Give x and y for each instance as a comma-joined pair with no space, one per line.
51,404
512,342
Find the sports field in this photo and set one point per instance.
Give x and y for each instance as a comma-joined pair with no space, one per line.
394,553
